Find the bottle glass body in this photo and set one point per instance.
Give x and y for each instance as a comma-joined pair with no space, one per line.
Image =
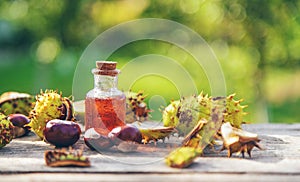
105,105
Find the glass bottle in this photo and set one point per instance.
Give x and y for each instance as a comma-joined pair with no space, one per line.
105,105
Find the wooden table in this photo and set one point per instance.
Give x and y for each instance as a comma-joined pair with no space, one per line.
22,160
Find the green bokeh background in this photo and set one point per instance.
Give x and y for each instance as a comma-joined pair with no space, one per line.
256,42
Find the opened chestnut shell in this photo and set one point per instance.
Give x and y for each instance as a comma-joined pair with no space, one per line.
62,133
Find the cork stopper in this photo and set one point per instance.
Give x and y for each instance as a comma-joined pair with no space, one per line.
106,65
106,68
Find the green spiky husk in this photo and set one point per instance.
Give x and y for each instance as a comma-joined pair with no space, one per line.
6,131
170,114
49,105
186,113
206,129
189,110
234,113
192,110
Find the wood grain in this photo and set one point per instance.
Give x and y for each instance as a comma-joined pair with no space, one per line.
23,158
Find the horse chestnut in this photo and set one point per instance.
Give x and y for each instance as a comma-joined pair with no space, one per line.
18,119
125,133
62,133
20,122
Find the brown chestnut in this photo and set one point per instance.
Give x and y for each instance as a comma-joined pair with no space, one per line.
125,133
20,122
62,133
18,119
97,141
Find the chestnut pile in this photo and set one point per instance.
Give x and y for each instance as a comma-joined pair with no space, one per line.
49,115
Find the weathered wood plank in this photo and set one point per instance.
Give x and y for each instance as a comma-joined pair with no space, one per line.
210,177
281,157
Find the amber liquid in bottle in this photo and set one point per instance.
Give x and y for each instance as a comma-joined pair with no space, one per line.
105,105
105,113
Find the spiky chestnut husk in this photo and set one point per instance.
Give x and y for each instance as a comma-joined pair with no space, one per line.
199,137
205,130
136,108
170,115
237,140
234,113
186,113
189,114
194,138
49,105
155,134
182,157
193,109
6,131
205,106
15,102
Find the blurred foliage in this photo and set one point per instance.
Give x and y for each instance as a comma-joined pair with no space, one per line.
257,43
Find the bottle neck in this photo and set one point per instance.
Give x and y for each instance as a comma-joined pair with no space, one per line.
105,82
